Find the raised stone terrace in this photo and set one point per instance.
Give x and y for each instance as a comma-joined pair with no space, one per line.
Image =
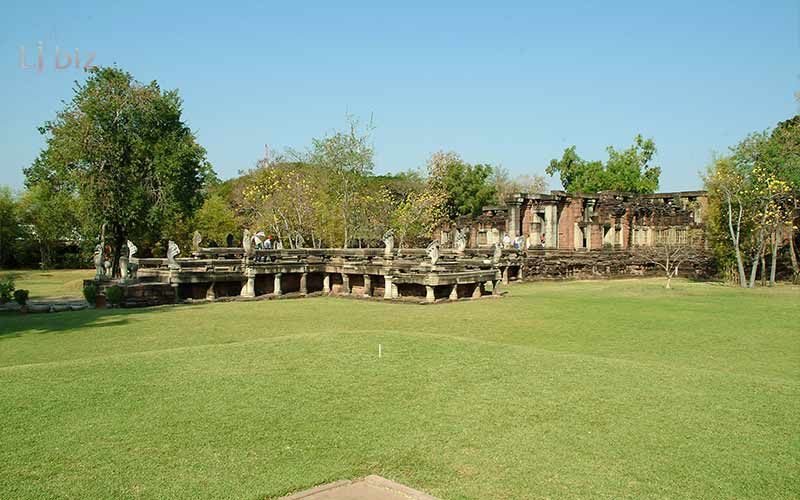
398,275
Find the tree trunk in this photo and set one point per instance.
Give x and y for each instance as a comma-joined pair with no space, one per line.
793,255
763,269
119,240
735,239
775,244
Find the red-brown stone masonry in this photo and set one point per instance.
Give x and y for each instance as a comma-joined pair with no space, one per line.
569,214
527,218
625,232
597,236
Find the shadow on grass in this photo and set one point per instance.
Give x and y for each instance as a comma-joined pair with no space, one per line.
15,324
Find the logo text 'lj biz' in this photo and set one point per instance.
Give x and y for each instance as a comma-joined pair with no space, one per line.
61,60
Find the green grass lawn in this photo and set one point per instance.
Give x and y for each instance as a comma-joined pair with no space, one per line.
52,284
616,389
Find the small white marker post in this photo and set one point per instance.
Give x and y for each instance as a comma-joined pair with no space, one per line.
380,350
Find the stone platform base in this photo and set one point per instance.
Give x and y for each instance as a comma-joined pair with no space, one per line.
369,488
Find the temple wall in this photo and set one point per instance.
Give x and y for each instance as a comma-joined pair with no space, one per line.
607,264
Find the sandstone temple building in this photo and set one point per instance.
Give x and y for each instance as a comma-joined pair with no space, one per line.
608,219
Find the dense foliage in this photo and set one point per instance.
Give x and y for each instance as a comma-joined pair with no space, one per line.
122,149
753,196
629,170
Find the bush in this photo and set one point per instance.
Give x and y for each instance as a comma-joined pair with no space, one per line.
114,295
21,296
90,293
6,290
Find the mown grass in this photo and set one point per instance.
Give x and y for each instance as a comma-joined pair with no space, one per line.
616,389
51,284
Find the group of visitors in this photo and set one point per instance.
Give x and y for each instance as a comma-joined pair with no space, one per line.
518,243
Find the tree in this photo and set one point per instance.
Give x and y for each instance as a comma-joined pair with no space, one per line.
630,170
416,216
281,197
785,139
467,186
505,185
347,159
216,220
51,215
9,224
125,148
669,257
727,185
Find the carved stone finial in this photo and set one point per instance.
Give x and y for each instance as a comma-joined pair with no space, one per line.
99,269
197,238
132,249
498,253
172,251
388,240
460,241
247,243
433,252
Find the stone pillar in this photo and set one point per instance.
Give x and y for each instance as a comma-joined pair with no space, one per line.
387,290
505,275
345,283
551,226
326,283
520,273
429,295
513,220
367,285
249,287
277,290
304,283
395,291
211,293
495,287
478,292
454,293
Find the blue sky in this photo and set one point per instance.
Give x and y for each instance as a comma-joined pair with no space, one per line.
509,83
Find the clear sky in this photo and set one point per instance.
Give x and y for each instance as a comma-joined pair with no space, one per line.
509,83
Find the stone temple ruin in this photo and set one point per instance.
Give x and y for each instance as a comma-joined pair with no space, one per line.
536,236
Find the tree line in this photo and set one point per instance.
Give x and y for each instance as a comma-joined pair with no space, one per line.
121,164
753,197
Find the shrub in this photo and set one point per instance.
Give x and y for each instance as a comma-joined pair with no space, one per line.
114,295
90,293
6,289
21,296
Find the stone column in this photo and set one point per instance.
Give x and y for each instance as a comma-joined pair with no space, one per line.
395,291
387,287
551,226
249,287
326,283
478,292
520,272
429,295
304,283
367,285
277,290
505,275
454,293
345,283
495,287
513,220
211,293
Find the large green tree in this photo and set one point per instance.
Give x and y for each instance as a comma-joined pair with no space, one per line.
629,170
468,187
10,229
125,148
